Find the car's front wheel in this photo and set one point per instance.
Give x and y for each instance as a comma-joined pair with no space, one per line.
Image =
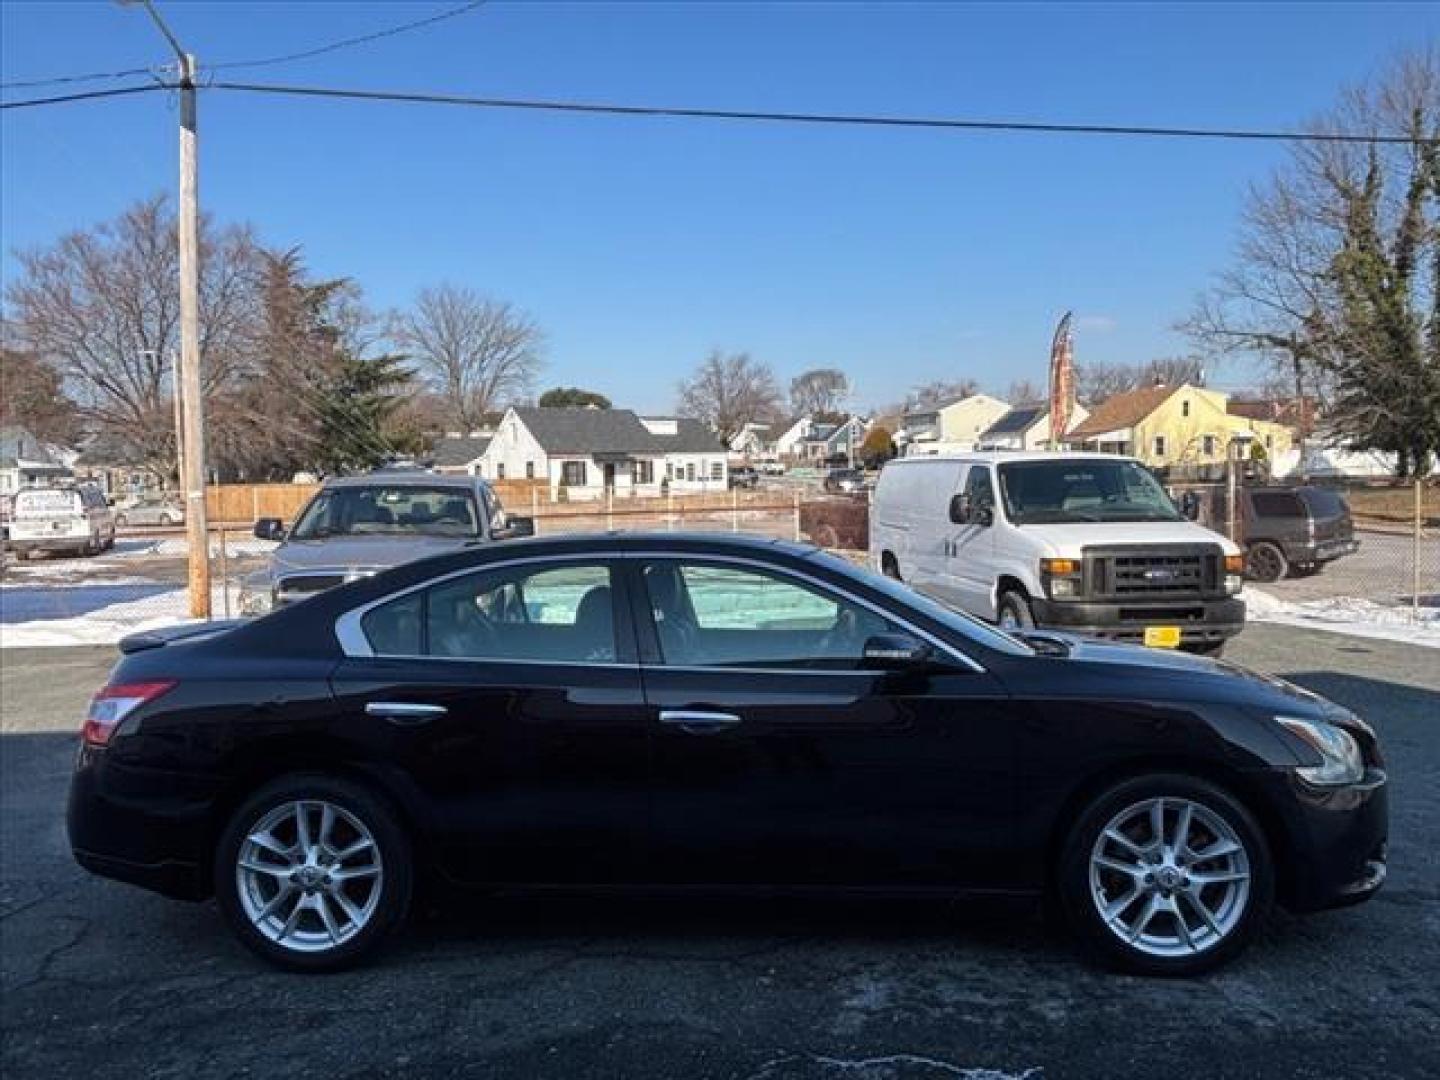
313,872
1166,875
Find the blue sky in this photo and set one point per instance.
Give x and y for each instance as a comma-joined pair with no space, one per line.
640,244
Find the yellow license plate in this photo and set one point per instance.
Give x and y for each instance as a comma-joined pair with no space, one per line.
1162,637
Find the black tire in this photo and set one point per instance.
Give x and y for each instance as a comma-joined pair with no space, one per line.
395,855
1073,885
1265,562
890,566
1014,606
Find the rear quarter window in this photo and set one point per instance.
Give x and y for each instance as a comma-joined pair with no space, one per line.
1277,504
1324,503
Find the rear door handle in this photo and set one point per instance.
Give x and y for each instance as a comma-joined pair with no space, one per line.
698,722
404,712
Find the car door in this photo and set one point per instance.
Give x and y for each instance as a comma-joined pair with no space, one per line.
510,700
967,580
779,758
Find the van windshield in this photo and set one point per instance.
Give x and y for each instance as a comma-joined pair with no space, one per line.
1049,492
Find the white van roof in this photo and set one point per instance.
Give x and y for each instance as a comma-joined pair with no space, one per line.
977,457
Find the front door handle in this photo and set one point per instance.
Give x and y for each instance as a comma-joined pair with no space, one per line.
698,722
404,712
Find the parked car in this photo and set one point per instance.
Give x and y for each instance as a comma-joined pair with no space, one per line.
743,476
630,710
356,526
844,481
1294,530
771,468
151,511
75,519
1085,542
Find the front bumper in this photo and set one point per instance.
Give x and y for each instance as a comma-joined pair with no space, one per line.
1337,843
1201,622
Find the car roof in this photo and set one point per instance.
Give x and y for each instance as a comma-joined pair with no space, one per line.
1002,456
405,478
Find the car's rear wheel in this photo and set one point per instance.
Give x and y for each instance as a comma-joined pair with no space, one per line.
1166,875
1013,612
313,872
1265,562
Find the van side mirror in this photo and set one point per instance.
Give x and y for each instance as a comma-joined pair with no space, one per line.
269,529
515,528
891,651
960,509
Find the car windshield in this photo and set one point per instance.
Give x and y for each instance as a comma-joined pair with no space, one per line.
389,510
965,625
1048,492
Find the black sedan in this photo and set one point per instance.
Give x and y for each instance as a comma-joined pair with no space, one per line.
677,712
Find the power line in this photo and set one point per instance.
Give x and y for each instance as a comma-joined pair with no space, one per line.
59,79
347,42
834,119
87,95
828,119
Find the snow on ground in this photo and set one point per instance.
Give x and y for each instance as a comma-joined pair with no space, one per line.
101,614
1351,615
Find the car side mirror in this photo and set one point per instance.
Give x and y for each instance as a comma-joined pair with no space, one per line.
516,528
269,529
891,651
960,509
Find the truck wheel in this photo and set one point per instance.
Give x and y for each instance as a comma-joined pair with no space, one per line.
1013,611
1265,562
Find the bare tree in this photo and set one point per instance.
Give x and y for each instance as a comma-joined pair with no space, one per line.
101,308
1334,283
1025,392
480,353
940,392
728,392
820,391
1096,382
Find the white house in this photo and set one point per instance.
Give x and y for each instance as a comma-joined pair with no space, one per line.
587,452
25,461
753,441
1026,427
951,428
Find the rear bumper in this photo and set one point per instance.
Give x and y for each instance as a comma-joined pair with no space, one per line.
121,828
1324,551
1201,622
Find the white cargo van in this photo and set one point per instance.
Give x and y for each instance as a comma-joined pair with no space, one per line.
73,519
1082,542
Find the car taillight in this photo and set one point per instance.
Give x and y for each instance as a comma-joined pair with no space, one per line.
115,702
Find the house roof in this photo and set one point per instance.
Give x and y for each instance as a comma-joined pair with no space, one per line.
691,436
454,451
1019,420
589,431
1291,411
16,443
1122,411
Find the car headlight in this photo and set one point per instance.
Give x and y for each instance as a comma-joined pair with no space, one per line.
1340,759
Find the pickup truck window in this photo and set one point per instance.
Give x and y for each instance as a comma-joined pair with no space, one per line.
1049,492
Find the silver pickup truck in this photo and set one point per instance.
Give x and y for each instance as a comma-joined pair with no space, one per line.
356,526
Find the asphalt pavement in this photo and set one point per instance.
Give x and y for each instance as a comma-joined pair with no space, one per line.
100,980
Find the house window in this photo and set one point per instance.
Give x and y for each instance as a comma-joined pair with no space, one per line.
1208,445
1159,445
1185,409
1269,442
572,474
500,470
717,470
645,472
689,470
669,470
529,470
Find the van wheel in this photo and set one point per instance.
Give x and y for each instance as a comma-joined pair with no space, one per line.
1013,612
1165,875
890,567
1265,562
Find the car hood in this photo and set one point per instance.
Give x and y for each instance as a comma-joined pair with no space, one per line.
1067,539
359,552
1172,673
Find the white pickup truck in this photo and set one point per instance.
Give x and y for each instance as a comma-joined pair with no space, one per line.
1082,542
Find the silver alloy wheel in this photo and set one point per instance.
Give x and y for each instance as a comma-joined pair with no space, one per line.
1169,877
309,875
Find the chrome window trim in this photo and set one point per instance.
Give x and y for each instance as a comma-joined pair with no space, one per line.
354,644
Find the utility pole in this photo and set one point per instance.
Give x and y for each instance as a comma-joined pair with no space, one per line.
179,421
192,417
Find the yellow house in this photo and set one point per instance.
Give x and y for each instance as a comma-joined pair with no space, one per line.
1168,426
